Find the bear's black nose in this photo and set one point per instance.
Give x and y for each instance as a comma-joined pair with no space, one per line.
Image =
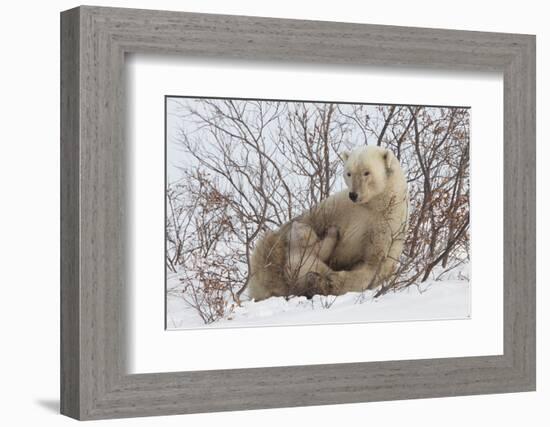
353,196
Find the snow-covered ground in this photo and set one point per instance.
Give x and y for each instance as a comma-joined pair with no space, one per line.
432,300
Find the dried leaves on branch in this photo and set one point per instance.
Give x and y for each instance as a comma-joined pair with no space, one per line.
245,167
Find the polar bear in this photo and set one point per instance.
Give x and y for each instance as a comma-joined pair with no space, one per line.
371,217
283,259
307,253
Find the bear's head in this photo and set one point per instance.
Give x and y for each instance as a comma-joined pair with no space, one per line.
366,171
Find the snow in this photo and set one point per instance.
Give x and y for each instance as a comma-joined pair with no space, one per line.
432,300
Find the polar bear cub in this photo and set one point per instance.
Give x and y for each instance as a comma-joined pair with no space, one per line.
306,252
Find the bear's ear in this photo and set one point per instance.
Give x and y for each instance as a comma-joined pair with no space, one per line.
388,158
345,156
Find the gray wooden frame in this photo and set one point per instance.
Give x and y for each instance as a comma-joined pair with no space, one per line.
94,382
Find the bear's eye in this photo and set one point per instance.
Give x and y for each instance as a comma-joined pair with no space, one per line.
366,173
348,174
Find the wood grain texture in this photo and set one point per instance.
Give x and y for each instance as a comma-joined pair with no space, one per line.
70,292
94,382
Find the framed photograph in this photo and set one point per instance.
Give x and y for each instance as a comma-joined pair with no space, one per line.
261,213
